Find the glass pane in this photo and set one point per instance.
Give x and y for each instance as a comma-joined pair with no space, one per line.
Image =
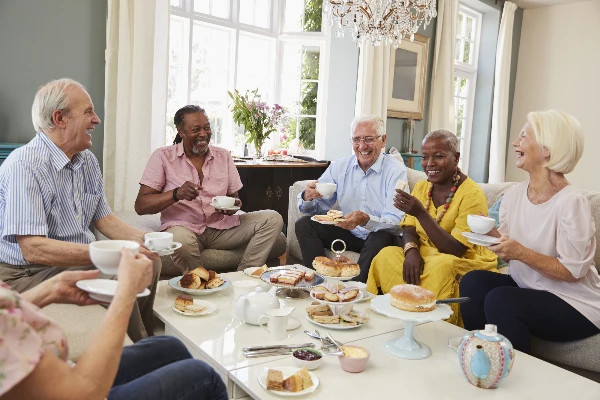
307,131
464,87
289,132
456,91
313,13
467,53
308,100
460,26
303,16
469,29
460,107
255,12
216,8
310,63
175,3
457,50
254,65
459,127
177,90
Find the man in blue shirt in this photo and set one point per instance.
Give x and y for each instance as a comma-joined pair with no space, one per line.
366,183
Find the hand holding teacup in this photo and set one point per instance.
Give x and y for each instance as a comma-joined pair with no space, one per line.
226,202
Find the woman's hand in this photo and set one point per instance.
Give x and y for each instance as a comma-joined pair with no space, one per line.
509,249
413,267
409,204
61,288
354,219
135,272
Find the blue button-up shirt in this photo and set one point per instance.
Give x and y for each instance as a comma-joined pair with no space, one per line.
43,193
371,192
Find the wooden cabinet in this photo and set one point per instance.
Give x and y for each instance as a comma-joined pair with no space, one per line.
266,184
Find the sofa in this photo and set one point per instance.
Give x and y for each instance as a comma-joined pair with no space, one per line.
580,356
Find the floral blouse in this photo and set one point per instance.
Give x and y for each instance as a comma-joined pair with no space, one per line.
25,334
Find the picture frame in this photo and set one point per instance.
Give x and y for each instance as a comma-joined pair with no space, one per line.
408,73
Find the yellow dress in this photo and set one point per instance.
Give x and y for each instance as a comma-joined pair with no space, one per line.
442,272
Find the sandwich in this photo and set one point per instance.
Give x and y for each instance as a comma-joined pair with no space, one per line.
401,185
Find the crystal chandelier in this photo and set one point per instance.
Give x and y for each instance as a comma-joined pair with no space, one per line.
380,21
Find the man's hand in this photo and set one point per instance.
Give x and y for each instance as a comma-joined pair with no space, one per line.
409,204
188,191
148,253
237,203
310,193
509,249
413,267
354,219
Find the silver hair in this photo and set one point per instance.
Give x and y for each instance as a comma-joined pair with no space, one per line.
50,97
449,137
368,118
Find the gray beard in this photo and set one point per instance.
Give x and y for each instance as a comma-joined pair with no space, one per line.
199,152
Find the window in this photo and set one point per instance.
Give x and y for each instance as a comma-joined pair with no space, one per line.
468,30
275,46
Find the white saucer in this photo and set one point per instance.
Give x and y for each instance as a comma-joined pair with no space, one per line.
210,308
481,240
103,290
292,323
323,222
234,208
287,372
169,251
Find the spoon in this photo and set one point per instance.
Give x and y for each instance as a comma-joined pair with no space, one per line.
335,342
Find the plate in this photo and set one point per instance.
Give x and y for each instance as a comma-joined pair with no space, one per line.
174,283
287,372
103,289
248,271
169,251
368,296
381,305
210,308
358,298
266,276
481,240
339,278
339,326
323,222
234,208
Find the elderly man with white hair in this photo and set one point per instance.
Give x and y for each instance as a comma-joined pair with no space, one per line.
365,190
51,190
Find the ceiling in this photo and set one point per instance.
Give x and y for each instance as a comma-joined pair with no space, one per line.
543,3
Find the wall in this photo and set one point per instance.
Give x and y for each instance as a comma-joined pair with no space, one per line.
558,68
45,40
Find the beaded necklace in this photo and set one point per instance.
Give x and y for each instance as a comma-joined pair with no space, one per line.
448,200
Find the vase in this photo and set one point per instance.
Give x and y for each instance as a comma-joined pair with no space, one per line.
258,150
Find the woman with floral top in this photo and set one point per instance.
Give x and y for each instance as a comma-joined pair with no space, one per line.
33,349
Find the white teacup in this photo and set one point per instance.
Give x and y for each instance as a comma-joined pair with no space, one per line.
480,224
223,201
358,285
277,323
326,189
157,241
106,254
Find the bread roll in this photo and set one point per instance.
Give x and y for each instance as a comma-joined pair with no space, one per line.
412,298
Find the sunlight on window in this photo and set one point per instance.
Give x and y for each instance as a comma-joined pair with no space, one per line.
255,12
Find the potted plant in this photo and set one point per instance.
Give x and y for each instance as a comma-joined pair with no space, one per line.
258,119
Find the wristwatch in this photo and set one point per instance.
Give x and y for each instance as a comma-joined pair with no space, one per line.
410,245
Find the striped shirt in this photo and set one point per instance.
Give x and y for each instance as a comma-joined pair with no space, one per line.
43,193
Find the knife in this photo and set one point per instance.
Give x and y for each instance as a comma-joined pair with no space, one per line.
277,347
267,354
454,300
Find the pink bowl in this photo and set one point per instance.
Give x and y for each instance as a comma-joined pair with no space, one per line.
351,364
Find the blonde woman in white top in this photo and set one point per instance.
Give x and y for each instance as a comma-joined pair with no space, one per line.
547,237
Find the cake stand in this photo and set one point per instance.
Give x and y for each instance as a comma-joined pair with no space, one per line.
407,347
292,292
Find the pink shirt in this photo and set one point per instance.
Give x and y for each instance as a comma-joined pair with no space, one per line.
169,167
26,334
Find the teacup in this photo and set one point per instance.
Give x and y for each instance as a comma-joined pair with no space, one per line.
157,241
326,189
480,224
106,254
223,201
277,323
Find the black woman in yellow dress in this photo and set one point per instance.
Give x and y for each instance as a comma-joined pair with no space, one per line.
435,254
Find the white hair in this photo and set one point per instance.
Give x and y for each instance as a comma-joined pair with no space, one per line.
560,133
50,97
368,118
449,137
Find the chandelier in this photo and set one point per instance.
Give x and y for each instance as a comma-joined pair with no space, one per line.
380,21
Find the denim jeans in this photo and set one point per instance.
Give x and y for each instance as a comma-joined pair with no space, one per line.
160,367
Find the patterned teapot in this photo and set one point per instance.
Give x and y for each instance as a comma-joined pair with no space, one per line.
485,357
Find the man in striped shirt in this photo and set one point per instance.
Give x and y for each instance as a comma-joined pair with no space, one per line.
51,190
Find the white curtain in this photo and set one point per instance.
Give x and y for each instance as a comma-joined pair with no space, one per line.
373,80
499,134
137,37
441,108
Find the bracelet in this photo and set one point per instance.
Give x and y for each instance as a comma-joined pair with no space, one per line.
175,199
410,245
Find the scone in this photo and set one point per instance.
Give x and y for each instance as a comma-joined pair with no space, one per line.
202,273
183,301
190,281
214,283
350,270
325,266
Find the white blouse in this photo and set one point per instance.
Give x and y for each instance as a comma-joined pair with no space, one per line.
562,227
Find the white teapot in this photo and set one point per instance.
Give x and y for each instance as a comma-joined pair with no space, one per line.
250,306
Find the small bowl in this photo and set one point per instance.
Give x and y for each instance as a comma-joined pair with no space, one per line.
354,364
480,224
305,363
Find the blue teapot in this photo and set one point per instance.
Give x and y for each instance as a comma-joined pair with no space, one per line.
485,357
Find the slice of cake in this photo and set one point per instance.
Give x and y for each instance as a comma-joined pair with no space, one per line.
260,271
274,380
306,379
294,383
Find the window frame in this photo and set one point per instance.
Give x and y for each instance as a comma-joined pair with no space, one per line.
322,40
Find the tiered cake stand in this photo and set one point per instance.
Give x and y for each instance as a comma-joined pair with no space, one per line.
299,291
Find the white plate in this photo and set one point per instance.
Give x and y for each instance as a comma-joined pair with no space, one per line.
339,278
234,208
210,308
103,289
174,283
287,372
368,296
248,271
481,240
358,298
381,305
340,326
169,251
323,222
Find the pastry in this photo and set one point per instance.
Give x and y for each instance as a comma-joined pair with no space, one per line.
274,380
214,283
412,298
202,273
182,302
401,185
325,266
309,275
350,270
211,275
260,271
190,281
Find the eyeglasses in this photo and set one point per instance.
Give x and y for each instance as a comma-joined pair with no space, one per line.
365,140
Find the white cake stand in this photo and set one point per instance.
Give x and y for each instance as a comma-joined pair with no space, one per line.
407,347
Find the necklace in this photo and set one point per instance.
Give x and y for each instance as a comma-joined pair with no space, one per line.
448,200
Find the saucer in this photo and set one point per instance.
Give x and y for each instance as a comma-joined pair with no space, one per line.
234,208
481,240
323,222
103,290
292,323
210,308
169,251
